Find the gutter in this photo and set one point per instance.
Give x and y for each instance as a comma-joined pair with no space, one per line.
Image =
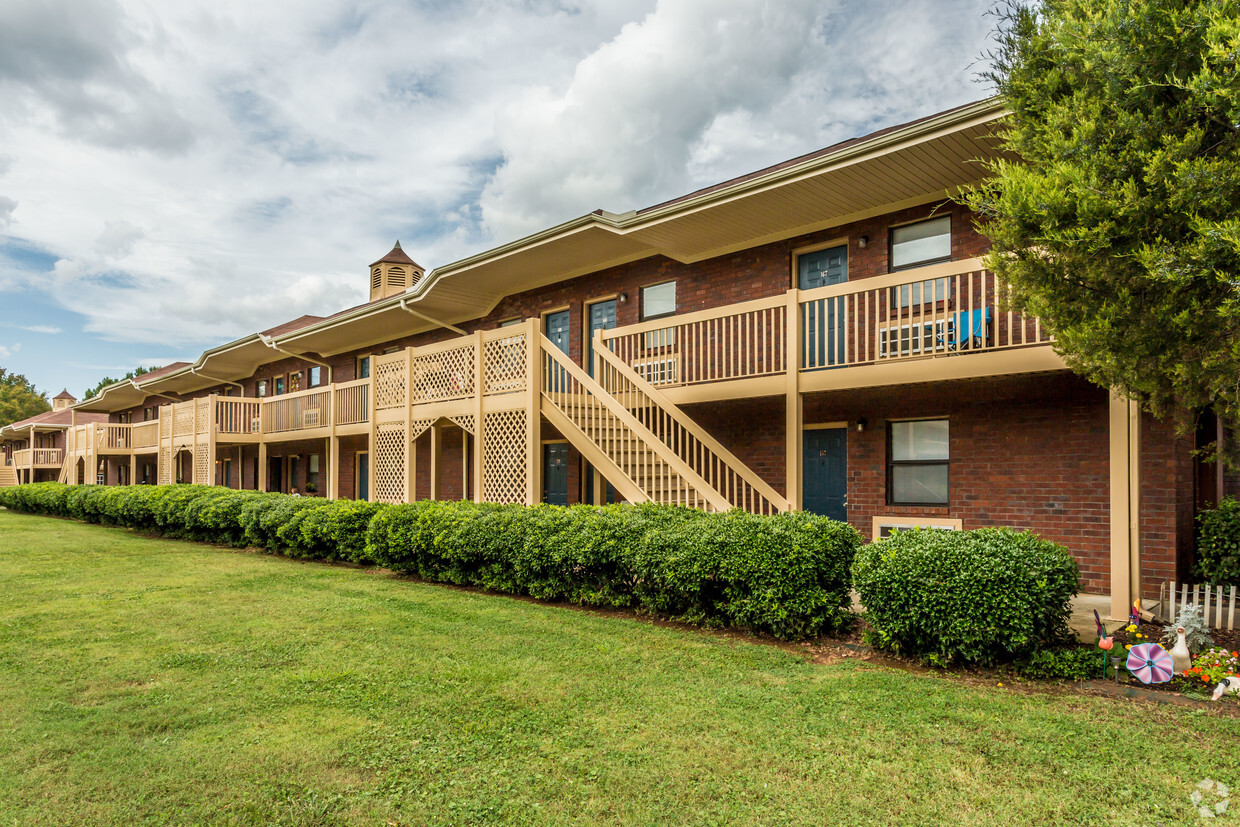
427,318
270,342
197,372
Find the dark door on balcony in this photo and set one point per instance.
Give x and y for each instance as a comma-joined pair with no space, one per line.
363,476
555,473
824,470
824,319
557,331
602,317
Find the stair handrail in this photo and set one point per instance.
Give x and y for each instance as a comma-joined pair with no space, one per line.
760,486
683,469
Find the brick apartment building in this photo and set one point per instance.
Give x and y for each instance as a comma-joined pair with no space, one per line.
820,334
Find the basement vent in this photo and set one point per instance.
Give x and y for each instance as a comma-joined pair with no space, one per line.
884,526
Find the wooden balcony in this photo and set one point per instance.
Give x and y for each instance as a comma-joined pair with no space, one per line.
944,321
27,458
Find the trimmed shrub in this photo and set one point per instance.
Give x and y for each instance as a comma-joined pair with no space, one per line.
981,596
786,575
1218,543
1077,663
336,530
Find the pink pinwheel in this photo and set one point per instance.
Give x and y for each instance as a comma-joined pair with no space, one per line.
1150,663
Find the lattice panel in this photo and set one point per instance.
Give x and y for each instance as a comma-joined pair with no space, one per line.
448,374
505,466
466,421
165,423
183,419
504,364
391,382
202,415
388,458
418,427
202,464
165,466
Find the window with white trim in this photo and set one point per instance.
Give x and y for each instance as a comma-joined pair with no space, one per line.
925,242
917,462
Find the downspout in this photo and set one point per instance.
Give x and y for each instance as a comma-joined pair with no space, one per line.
270,342
196,372
427,318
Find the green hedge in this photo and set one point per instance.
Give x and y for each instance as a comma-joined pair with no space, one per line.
979,596
787,574
1218,543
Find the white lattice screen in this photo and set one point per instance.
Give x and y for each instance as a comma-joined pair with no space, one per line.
165,465
390,378
202,464
466,421
505,466
504,364
448,374
388,463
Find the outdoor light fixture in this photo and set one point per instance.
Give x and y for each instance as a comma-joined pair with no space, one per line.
863,242
860,424
624,297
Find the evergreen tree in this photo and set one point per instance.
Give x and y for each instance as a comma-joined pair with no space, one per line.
1116,216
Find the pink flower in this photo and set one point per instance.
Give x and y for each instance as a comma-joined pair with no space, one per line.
1106,643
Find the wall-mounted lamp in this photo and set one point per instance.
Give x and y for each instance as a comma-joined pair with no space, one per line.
863,242
860,425
624,297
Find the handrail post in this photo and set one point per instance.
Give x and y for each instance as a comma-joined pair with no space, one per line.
533,416
792,400
479,424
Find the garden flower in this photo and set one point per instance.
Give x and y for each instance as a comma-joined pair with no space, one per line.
1106,643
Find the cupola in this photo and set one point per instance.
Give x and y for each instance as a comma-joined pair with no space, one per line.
63,400
393,274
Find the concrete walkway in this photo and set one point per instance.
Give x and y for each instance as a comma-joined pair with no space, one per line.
1082,619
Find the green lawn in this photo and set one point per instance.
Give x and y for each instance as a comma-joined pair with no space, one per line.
144,681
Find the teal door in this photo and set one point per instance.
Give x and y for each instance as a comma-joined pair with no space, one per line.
557,331
555,473
824,319
363,476
824,469
602,317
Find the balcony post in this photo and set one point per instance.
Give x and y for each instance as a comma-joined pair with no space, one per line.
262,465
1125,451
480,444
212,410
792,401
533,417
436,449
411,450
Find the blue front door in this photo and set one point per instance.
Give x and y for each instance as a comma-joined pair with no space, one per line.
363,476
824,319
824,469
602,317
556,325
555,473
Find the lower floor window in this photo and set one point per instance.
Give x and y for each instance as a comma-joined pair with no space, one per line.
917,465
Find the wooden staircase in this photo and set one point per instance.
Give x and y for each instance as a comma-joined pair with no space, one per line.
644,445
8,475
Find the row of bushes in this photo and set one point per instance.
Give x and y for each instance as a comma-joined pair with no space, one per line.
983,596
787,575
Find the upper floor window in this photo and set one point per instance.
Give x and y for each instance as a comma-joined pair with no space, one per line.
659,300
294,382
315,377
279,380
146,415
917,462
509,322
925,242
363,367
260,388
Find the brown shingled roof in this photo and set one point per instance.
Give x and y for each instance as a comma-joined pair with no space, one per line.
289,327
791,162
65,395
158,372
397,256
63,417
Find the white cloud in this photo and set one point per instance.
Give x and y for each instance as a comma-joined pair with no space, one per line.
7,351
201,171
36,328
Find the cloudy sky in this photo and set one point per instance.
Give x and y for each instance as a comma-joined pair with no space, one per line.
174,174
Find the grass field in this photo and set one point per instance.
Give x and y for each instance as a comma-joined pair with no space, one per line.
144,681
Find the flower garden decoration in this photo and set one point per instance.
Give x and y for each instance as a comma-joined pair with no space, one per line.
1150,663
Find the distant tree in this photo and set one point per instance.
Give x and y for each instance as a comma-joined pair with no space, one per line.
18,398
1116,215
107,380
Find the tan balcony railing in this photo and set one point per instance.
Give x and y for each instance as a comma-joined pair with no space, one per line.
302,411
237,415
38,458
145,434
352,405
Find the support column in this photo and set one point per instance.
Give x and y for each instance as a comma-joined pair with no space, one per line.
533,411
793,406
1125,508
436,449
262,466
480,443
333,468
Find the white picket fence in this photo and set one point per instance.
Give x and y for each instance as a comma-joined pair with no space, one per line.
1218,609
